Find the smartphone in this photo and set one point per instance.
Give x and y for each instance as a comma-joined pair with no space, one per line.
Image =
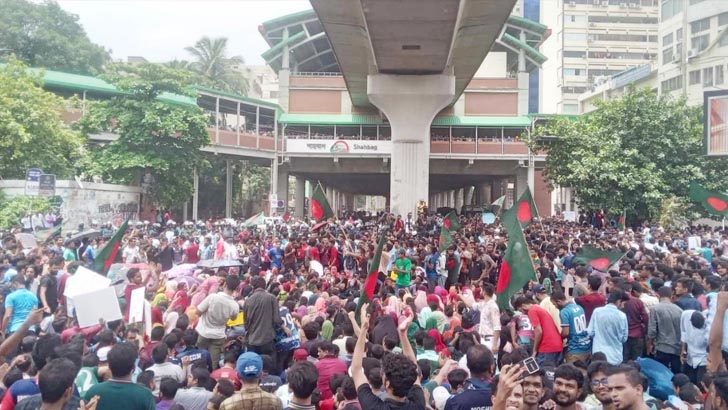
528,367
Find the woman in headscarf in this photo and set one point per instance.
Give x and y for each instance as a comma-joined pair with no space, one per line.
421,300
327,330
386,326
320,304
208,286
439,344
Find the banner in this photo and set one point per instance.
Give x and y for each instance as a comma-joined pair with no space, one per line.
338,147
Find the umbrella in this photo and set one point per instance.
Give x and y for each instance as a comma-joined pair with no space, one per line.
319,225
210,263
317,267
27,240
188,280
90,234
488,217
180,270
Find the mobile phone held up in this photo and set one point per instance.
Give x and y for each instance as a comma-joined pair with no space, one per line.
528,367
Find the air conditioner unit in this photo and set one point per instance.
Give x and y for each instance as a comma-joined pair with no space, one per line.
592,25
622,5
693,53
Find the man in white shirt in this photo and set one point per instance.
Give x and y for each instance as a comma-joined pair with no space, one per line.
214,313
131,252
490,326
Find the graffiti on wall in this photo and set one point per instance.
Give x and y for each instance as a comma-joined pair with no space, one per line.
118,213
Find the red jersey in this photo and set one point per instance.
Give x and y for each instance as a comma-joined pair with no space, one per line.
551,341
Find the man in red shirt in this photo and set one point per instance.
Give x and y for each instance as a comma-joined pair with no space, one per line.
594,299
227,371
328,365
547,342
192,252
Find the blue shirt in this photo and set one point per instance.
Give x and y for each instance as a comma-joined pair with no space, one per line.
22,301
276,258
608,329
573,317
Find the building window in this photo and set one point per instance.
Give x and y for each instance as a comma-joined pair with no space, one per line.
694,77
678,35
574,54
723,40
700,43
667,56
719,75
577,37
670,8
723,19
574,72
678,51
708,77
667,40
571,108
623,19
700,25
675,83
696,1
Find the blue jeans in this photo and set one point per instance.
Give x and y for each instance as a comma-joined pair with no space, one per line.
548,359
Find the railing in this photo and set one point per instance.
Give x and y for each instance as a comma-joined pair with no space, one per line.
244,139
483,146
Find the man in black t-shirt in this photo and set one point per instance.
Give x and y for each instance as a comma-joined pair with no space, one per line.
165,255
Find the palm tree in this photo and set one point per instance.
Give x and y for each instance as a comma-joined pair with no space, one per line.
211,61
177,64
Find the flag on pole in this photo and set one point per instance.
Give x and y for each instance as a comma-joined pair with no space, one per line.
445,240
622,221
370,284
320,208
597,258
451,221
713,202
499,202
255,220
107,255
46,234
524,209
517,267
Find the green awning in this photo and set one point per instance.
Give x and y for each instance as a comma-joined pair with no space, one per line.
531,52
251,100
275,51
527,24
289,19
330,119
482,121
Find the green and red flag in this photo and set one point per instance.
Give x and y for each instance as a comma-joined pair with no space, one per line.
320,208
106,256
451,221
517,267
47,234
370,284
713,202
597,258
445,240
622,221
499,202
255,220
524,209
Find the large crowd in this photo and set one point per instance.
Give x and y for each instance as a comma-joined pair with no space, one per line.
270,317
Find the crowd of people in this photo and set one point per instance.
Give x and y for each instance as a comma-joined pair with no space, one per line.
280,321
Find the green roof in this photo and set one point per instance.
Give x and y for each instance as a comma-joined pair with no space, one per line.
288,19
236,96
357,119
330,119
275,51
527,24
531,52
482,121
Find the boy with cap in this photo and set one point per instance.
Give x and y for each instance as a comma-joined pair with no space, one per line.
251,396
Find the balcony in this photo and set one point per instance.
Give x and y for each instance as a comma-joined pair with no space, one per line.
483,146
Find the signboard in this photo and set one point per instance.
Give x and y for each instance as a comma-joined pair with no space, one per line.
47,185
338,147
32,177
715,130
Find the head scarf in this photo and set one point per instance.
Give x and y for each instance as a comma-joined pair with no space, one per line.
421,300
431,323
327,330
439,345
423,316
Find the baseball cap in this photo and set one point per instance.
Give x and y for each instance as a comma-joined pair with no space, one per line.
300,355
103,353
249,365
538,288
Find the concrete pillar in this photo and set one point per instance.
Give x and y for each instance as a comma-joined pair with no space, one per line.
228,188
469,194
282,188
483,194
300,197
459,196
451,198
521,182
531,176
284,75
410,103
522,80
195,193
330,197
184,211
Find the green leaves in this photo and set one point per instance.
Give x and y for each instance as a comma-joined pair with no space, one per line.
633,153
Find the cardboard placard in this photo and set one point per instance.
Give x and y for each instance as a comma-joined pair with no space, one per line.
99,304
85,281
136,305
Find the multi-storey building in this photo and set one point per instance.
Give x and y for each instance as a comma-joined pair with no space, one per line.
596,39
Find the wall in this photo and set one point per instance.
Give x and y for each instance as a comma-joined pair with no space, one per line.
314,101
491,103
100,202
542,194
493,66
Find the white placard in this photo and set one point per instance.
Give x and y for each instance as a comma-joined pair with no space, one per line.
99,304
136,305
147,318
85,281
569,216
694,242
338,147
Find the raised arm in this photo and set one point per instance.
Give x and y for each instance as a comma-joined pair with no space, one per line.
715,337
406,346
357,371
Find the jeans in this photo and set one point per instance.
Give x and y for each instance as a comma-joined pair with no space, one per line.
548,359
694,373
634,348
573,357
441,281
672,361
214,346
269,349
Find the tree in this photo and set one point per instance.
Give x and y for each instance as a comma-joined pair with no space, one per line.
32,134
212,62
632,153
156,139
44,35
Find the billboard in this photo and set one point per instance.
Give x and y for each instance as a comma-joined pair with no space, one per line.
338,147
715,117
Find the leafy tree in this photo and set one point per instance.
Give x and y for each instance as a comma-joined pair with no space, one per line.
156,138
32,134
212,62
44,35
13,209
632,153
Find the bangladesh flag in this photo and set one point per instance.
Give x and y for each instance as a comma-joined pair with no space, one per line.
597,258
255,220
499,202
517,267
106,256
47,234
622,221
320,208
451,222
370,284
713,202
524,209
446,239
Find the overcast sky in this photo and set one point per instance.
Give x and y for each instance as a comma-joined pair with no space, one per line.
159,30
